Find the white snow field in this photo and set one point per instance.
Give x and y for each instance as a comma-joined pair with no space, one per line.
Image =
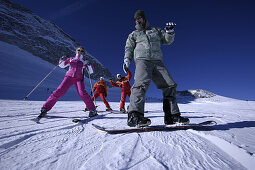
58,143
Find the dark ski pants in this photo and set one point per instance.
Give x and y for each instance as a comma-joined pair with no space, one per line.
146,71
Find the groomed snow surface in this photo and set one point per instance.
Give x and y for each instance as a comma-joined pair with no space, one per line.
58,143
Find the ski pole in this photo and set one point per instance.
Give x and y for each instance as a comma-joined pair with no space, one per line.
41,81
91,86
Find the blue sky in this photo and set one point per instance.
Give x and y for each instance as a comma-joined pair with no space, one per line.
213,48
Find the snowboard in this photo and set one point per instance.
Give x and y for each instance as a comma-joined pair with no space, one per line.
197,126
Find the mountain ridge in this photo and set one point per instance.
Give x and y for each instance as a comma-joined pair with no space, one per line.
42,38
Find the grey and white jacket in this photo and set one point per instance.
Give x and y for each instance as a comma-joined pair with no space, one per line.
145,44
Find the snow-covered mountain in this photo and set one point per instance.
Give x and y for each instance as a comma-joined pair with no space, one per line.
21,27
186,96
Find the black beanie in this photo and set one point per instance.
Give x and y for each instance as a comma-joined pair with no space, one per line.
139,13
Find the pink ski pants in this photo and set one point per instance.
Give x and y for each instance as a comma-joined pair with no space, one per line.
63,87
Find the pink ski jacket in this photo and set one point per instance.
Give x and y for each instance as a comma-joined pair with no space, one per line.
76,65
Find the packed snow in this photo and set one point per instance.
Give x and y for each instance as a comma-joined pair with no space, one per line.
58,143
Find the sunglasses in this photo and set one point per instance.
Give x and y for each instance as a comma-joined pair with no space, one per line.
138,17
82,51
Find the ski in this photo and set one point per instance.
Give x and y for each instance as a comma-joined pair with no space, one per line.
84,120
117,112
36,120
80,120
197,126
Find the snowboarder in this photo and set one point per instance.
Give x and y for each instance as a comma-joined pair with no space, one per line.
123,83
100,89
74,76
143,45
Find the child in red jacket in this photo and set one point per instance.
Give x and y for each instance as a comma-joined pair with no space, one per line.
123,83
100,89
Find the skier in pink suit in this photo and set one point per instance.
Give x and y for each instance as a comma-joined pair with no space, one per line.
74,76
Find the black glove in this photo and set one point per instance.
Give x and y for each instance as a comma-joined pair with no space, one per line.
63,57
87,62
91,93
105,94
170,27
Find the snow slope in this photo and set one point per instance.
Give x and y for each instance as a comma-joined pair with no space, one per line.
58,143
19,26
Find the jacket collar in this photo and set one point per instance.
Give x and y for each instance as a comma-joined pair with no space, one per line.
141,28
78,56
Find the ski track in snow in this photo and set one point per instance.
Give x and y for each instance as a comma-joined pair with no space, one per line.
58,143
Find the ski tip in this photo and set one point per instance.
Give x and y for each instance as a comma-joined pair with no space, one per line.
76,120
98,127
209,122
36,120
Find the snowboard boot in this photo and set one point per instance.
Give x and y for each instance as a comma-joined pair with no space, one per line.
168,120
137,119
177,118
92,113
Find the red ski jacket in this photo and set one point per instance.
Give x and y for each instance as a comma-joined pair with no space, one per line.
123,83
100,87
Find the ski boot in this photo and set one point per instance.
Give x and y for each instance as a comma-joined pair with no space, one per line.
92,113
122,110
137,119
108,109
43,113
